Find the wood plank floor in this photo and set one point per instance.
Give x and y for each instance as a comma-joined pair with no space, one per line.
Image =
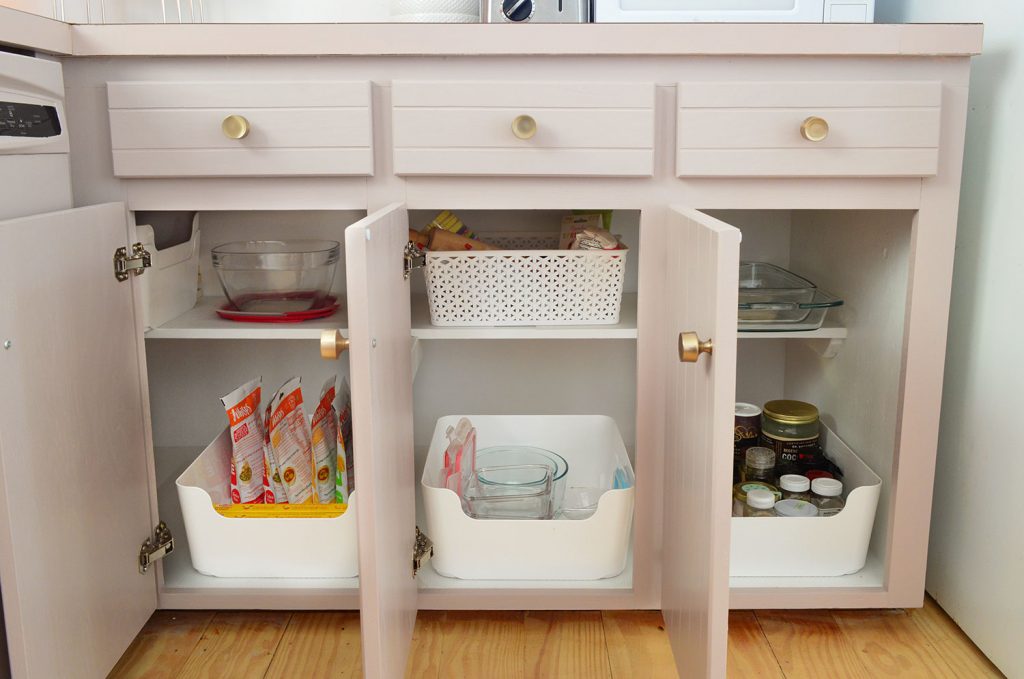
554,645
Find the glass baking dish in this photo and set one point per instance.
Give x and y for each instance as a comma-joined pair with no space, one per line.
772,299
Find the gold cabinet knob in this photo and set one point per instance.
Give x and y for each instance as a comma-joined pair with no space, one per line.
691,346
235,127
524,126
814,129
332,344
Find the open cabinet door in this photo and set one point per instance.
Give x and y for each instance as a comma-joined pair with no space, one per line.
74,478
380,355
700,296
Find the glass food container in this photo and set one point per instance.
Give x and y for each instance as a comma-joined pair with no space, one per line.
509,492
774,299
496,457
276,276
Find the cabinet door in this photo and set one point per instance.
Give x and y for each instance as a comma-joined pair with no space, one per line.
75,503
380,338
700,295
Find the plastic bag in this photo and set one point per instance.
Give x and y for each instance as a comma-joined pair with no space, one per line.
273,488
290,442
243,409
325,444
460,456
345,479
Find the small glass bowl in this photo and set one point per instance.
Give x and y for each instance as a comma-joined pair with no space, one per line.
277,276
581,502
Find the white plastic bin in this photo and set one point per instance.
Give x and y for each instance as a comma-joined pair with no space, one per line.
559,549
531,282
820,546
258,547
170,287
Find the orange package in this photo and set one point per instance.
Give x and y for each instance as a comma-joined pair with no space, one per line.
325,444
243,410
290,442
273,489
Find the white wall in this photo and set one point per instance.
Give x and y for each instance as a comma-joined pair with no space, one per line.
976,558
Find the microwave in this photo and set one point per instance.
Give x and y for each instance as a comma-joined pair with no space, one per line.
740,11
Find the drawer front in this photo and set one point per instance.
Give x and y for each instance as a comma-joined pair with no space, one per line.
755,129
578,129
174,129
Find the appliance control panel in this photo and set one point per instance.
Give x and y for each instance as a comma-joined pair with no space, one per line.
18,119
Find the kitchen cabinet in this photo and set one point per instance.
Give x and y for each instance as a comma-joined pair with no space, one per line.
868,212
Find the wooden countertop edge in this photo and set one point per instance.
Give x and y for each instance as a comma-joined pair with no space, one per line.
892,40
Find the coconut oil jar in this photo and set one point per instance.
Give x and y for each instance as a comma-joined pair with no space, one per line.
790,428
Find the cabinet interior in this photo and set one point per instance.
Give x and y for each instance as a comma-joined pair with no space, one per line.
192,364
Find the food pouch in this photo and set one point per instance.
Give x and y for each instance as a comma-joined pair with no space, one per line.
345,481
273,489
290,442
325,445
243,410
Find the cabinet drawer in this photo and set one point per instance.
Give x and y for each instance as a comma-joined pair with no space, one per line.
174,129
888,129
578,129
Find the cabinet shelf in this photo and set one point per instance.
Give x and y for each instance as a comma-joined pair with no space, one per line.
624,329
202,322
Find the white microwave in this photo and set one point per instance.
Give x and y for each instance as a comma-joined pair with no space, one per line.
740,11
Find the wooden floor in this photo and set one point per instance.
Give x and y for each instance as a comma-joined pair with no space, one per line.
564,645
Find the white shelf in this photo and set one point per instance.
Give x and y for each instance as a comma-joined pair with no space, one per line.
863,589
202,322
826,332
624,329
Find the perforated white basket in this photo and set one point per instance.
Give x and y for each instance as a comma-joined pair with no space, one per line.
531,282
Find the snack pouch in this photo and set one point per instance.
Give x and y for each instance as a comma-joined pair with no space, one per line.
273,489
243,409
325,445
290,442
345,480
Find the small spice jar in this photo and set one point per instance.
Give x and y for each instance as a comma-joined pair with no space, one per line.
790,428
740,490
760,465
795,487
827,496
760,503
795,509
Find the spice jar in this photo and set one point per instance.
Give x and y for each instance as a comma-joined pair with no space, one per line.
740,490
790,428
795,487
759,503
827,496
760,465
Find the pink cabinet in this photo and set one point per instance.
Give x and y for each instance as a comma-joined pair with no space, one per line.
868,213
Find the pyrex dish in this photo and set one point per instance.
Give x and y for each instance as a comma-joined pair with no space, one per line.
496,457
514,492
774,299
277,276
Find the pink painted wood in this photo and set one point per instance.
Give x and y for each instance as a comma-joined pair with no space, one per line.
700,271
75,503
381,364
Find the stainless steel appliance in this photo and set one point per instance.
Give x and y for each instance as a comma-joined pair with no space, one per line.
535,11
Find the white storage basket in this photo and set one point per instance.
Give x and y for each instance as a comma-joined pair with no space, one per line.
259,547
171,285
820,546
531,282
559,549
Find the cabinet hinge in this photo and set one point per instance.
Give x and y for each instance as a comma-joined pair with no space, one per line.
415,258
134,265
421,551
155,548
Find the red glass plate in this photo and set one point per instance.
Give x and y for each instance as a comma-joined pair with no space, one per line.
233,313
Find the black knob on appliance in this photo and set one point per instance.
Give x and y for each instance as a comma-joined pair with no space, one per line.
517,10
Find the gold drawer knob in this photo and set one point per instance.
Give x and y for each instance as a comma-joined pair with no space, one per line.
332,344
235,127
524,126
691,346
814,129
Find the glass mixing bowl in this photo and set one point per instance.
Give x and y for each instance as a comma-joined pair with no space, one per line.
277,276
